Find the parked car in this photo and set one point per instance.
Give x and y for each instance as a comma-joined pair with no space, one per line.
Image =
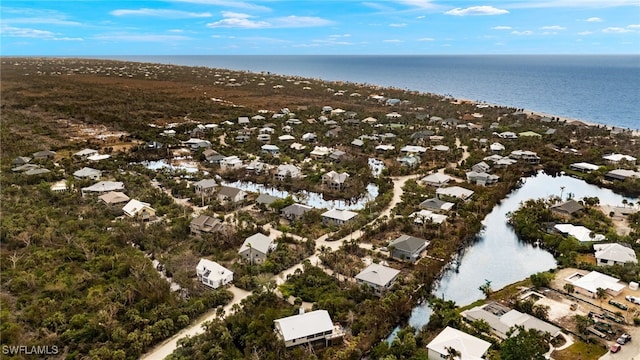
596,315
625,338
632,299
619,305
615,348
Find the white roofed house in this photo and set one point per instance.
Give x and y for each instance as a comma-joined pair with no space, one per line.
287,171
584,167
377,276
270,149
230,163
496,147
527,156
138,209
256,247
85,153
334,180
469,347
304,328
212,274
614,254
103,187
455,192
481,167
87,173
616,158
581,233
320,152
338,217
436,179
588,284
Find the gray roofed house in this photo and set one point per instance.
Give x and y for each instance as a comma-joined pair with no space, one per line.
569,207
338,217
614,254
358,143
206,224
243,120
231,194
25,167
295,211
21,160
436,204
337,155
621,174
87,173
45,154
436,179
482,178
266,199
85,152
409,161
481,167
408,248
455,191
256,247
104,187
379,277
205,186
38,171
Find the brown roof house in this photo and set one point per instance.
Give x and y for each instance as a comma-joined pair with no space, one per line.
206,224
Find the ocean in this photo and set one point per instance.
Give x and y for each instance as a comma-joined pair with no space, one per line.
603,89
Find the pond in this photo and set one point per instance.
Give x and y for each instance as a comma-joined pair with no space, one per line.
498,255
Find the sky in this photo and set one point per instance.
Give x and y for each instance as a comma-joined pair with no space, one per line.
327,27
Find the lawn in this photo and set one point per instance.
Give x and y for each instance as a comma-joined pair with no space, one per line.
580,351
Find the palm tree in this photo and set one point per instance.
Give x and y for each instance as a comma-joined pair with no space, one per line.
452,353
601,294
486,288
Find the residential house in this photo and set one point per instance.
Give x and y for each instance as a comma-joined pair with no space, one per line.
212,274
21,160
140,210
481,167
616,158
378,277
309,137
567,208
334,180
59,186
232,195
338,217
455,192
588,284
114,197
230,163
212,156
584,167
527,156
320,152
297,146
530,134
580,233
104,187
357,143
443,148
501,319
385,147
242,138
264,138
243,120
37,171
25,167
270,149
206,224
286,137
87,173
435,204
508,135
309,327
98,157
266,199
407,248
205,187
195,143
256,247
482,178
427,216
413,149
614,254
467,346
257,167
85,153
46,154
286,172
435,179
294,211
622,175
409,161
496,148
337,155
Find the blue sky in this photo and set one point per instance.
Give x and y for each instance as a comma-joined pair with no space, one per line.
222,27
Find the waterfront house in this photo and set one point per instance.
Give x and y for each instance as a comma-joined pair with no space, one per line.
469,347
334,180
212,274
407,248
435,204
588,284
455,192
481,167
436,180
426,216
266,199
305,328
584,167
567,208
114,197
294,211
614,254
621,174
286,172
230,163
256,247
206,224
379,277
580,233
87,173
228,194
482,178
205,186
527,156
501,319
617,158
212,156
139,210
338,217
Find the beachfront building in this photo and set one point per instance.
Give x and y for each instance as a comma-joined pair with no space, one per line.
469,347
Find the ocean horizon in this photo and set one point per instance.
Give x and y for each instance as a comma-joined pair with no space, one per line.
601,89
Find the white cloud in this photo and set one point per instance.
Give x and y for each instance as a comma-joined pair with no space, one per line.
585,33
11,31
573,3
398,25
392,41
420,17
377,6
477,10
615,30
594,19
340,36
501,28
141,37
553,27
239,20
227,3
68,39
426,39
526,32
422,4
165,13
41,20
634,26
